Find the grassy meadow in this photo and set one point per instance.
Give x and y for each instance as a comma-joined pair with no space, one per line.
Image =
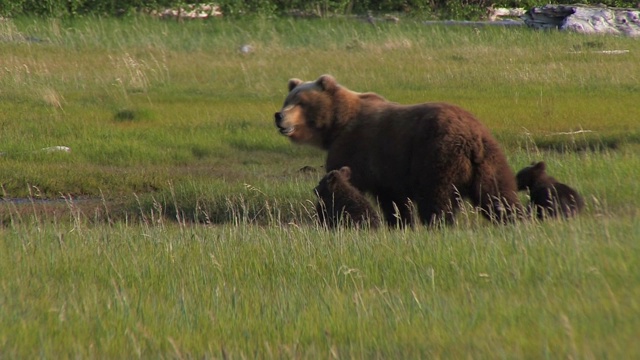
179,225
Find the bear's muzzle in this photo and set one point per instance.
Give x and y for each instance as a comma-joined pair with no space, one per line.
279,119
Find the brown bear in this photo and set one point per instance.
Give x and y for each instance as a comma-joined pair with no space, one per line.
341,203
429,155
549,198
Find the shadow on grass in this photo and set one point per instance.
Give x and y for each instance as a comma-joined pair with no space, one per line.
582,145
581,141
186,208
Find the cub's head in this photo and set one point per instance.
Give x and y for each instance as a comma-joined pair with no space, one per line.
309,110
529,175
331,182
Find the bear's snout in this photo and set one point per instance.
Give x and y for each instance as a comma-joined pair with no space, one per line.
279,120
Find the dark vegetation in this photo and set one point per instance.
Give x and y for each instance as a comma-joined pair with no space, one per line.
459,9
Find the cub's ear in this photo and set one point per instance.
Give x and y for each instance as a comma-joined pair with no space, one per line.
293,83
327,83
540,166
346,172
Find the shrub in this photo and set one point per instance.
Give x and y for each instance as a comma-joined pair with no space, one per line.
460,9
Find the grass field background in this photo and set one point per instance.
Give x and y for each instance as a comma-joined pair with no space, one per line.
179,225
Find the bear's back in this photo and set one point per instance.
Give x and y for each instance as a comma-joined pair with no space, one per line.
554,198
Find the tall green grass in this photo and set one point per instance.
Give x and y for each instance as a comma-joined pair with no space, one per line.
564,289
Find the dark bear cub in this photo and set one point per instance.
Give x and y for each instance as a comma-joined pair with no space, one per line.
549,197
339,202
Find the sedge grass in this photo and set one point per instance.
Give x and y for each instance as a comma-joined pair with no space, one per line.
559,289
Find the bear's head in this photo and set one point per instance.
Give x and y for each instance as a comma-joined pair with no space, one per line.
332,181
528,176
314,110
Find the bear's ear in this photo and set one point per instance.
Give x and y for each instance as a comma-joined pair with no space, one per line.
331,178
541,166
293,83
346,172
327,83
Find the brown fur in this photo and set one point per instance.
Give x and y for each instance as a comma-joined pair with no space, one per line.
549,198
427,154
341,203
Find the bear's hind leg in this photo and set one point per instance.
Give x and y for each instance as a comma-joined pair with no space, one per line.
497,199
438,210
396,213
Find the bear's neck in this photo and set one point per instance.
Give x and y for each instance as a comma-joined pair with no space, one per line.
350,107
544,181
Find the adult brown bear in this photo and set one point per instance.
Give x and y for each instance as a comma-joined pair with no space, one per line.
430,154
340,203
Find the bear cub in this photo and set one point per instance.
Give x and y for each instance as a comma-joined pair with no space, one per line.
340,203
549,197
